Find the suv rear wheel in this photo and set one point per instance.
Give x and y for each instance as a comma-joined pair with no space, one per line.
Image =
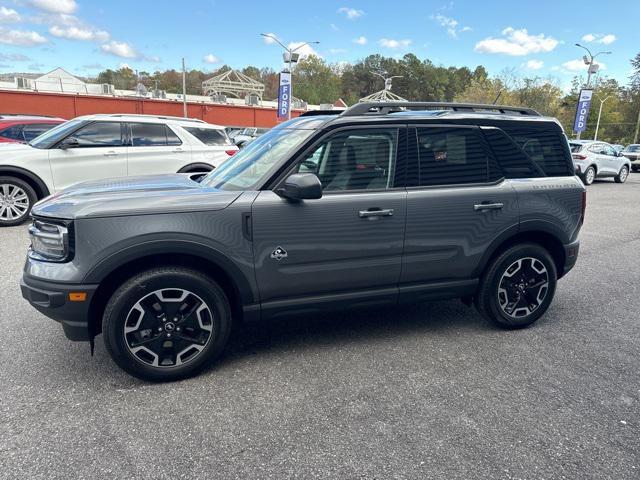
16,199
589,175
167,323
518,286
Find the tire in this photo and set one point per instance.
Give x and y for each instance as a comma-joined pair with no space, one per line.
498,292
623,174
16,200
166,323
589,175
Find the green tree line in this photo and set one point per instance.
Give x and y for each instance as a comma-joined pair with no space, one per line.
317,81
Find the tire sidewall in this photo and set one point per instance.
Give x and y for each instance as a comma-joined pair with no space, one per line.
620,179
132,291
495,275
31,195
586,176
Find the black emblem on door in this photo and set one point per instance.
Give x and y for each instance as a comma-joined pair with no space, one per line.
279,253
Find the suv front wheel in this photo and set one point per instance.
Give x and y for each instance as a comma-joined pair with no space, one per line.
518,286
167,323
16,199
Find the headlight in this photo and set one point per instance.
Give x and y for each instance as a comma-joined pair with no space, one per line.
49,241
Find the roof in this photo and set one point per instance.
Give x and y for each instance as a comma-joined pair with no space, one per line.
150,119
26,116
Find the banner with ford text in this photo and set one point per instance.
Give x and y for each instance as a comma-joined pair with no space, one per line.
582,112
284,96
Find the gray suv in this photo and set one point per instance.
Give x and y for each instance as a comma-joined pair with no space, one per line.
384,203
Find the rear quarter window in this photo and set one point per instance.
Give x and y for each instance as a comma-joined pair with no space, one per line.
545,145
209,136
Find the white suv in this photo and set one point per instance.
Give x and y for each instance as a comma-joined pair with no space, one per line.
594,159
102,146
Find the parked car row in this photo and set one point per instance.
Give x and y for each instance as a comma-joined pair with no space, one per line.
632,152
103,146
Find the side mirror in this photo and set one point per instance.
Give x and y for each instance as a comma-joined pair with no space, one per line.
301,186
619,154
69,142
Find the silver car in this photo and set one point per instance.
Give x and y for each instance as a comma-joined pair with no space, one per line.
594,159
632,152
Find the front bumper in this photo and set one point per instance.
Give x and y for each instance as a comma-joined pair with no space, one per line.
571,251
52,300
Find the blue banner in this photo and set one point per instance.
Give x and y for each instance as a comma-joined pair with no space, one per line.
284,96
582,112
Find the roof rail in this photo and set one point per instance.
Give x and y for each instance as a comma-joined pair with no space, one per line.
313,113
384,108
162,117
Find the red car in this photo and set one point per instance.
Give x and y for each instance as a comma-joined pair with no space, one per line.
24,128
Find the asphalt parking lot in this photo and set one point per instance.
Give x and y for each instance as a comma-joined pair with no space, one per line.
427,391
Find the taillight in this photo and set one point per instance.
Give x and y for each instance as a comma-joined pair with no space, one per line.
577,156
231,152
584,206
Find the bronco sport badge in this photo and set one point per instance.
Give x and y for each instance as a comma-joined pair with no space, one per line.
279,253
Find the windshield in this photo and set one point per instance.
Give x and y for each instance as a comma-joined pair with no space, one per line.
258,159
53,136
632,148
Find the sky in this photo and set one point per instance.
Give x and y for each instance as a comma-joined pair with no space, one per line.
537,38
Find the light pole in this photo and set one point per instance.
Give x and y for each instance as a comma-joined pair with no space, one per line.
595,137
593,67
289,57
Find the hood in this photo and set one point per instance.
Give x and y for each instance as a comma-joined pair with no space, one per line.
133,196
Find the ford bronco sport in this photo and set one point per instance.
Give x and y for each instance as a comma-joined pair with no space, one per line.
383,203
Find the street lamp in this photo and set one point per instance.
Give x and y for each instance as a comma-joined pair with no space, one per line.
290,56
595,137
593,68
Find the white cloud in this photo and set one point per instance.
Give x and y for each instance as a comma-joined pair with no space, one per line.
517,43
599,38
579,66
361,40
335,51
534,64
9,15
79,33
351,13
391,43
268,40
607,39
334,27
119,49
451,24
55,6
304,51
23,38
211,58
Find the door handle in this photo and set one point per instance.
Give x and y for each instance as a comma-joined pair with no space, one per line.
177,150
111,154
480,207
376,212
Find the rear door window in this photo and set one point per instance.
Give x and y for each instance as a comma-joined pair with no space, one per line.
148,135
450,156
13,133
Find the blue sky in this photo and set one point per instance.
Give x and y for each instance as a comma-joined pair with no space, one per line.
535,37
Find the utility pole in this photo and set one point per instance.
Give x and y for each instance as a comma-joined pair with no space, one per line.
289,59
592,68
635,137
595,137
184,90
